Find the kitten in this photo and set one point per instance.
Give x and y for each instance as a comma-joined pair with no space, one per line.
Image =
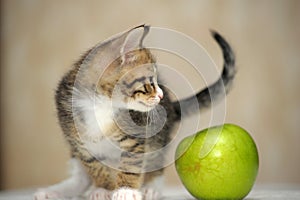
108,104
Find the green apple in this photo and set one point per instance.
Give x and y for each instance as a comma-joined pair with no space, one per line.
218,163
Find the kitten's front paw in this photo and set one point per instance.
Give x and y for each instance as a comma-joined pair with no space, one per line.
127,194
44,194
100,194
151,194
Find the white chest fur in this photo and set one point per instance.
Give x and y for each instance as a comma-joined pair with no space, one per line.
98,118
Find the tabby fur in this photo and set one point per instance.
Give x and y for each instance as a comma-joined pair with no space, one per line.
134,73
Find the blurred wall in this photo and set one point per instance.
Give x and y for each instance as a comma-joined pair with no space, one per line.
41,39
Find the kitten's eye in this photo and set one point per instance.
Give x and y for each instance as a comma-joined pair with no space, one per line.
152,82
147,87
139,91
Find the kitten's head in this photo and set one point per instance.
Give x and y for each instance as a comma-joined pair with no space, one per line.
131,80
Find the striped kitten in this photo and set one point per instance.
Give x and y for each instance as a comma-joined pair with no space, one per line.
108,110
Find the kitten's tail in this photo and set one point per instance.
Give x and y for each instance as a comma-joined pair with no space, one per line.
215,92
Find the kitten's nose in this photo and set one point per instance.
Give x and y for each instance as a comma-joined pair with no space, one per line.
160,93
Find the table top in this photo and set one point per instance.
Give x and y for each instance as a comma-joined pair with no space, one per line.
259,192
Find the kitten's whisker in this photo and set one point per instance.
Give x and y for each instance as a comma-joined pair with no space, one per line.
147,123
155,115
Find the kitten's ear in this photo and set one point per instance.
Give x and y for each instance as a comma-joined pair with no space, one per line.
134,39
104,53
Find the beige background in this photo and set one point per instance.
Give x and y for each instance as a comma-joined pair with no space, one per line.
41,39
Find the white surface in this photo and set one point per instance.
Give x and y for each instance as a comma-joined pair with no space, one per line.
263,192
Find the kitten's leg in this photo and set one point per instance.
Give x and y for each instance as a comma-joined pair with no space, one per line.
130,179
128,184
154,183
103,180
76,185
99,194
126,194
151,194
